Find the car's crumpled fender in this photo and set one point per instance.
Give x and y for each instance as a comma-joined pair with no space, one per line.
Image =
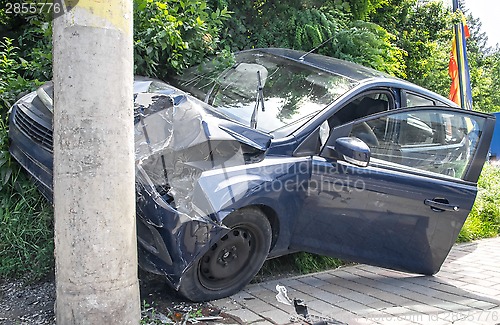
178,144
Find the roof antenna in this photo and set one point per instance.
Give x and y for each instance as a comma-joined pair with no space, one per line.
314,49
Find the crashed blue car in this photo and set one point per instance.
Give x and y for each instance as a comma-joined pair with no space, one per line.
276,151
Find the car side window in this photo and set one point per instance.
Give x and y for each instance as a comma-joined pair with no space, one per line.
362,106
413,100
428,140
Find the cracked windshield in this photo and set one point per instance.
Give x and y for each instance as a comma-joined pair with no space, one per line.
272,94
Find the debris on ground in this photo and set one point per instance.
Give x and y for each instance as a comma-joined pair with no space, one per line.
33,304
302,314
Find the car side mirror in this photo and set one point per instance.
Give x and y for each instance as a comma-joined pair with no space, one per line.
352,150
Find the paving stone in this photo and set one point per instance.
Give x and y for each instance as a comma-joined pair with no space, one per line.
483,290
322,308
377,316
313,281
393,298
277,316
355,307
483,305
346,317
426,310
379,304
360,287
296,294
246,315
450,307
365,321
257,288
241,296
262,294
305,288
329,297
257,305
359,297
465,291
325,276
284,282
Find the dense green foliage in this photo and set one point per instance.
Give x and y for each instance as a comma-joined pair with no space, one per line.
26,244
405,38
303,25
12,83
423,29
484,219
171,35
425,33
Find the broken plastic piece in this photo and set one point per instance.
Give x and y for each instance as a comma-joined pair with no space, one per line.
282,295
300,307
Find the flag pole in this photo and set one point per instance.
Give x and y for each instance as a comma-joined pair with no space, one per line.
459,65
459,57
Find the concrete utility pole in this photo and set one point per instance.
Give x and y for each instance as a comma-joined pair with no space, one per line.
94,195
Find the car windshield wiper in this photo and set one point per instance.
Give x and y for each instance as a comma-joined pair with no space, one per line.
259,100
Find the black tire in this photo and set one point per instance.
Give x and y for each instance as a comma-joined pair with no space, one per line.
233,261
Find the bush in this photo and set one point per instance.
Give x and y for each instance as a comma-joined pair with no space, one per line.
26,220
484,218
11,81
304,25
172,35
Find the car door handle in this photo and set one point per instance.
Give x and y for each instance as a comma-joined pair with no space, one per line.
440,206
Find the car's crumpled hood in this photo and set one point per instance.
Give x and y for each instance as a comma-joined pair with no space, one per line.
178,140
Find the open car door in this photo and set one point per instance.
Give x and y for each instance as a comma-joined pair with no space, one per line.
405,209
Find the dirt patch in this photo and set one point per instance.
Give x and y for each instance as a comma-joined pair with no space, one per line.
29,304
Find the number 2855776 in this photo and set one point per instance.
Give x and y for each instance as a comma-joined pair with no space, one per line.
33,7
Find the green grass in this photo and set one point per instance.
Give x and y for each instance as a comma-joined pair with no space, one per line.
26,222
296,264
484,218
26,239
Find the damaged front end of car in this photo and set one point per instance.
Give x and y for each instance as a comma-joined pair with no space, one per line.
191,169
188,179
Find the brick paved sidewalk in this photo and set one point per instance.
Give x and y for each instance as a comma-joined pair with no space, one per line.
465,291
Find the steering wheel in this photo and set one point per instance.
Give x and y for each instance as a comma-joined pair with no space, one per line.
364,132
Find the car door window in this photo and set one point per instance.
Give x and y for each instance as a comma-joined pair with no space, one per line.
413,100
436,141
362,106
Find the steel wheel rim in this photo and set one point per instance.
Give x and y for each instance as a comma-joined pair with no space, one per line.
225,263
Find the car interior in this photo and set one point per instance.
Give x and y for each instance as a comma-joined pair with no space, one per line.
358,108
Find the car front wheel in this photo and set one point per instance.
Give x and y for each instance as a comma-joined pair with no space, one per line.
233,261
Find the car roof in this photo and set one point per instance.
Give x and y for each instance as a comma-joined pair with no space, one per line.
354,71
336,66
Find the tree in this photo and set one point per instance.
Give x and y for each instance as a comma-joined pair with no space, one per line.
303,25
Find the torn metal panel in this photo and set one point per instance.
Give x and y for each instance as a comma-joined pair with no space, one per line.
176,140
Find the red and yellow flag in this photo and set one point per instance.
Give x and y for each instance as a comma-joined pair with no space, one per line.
460,90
